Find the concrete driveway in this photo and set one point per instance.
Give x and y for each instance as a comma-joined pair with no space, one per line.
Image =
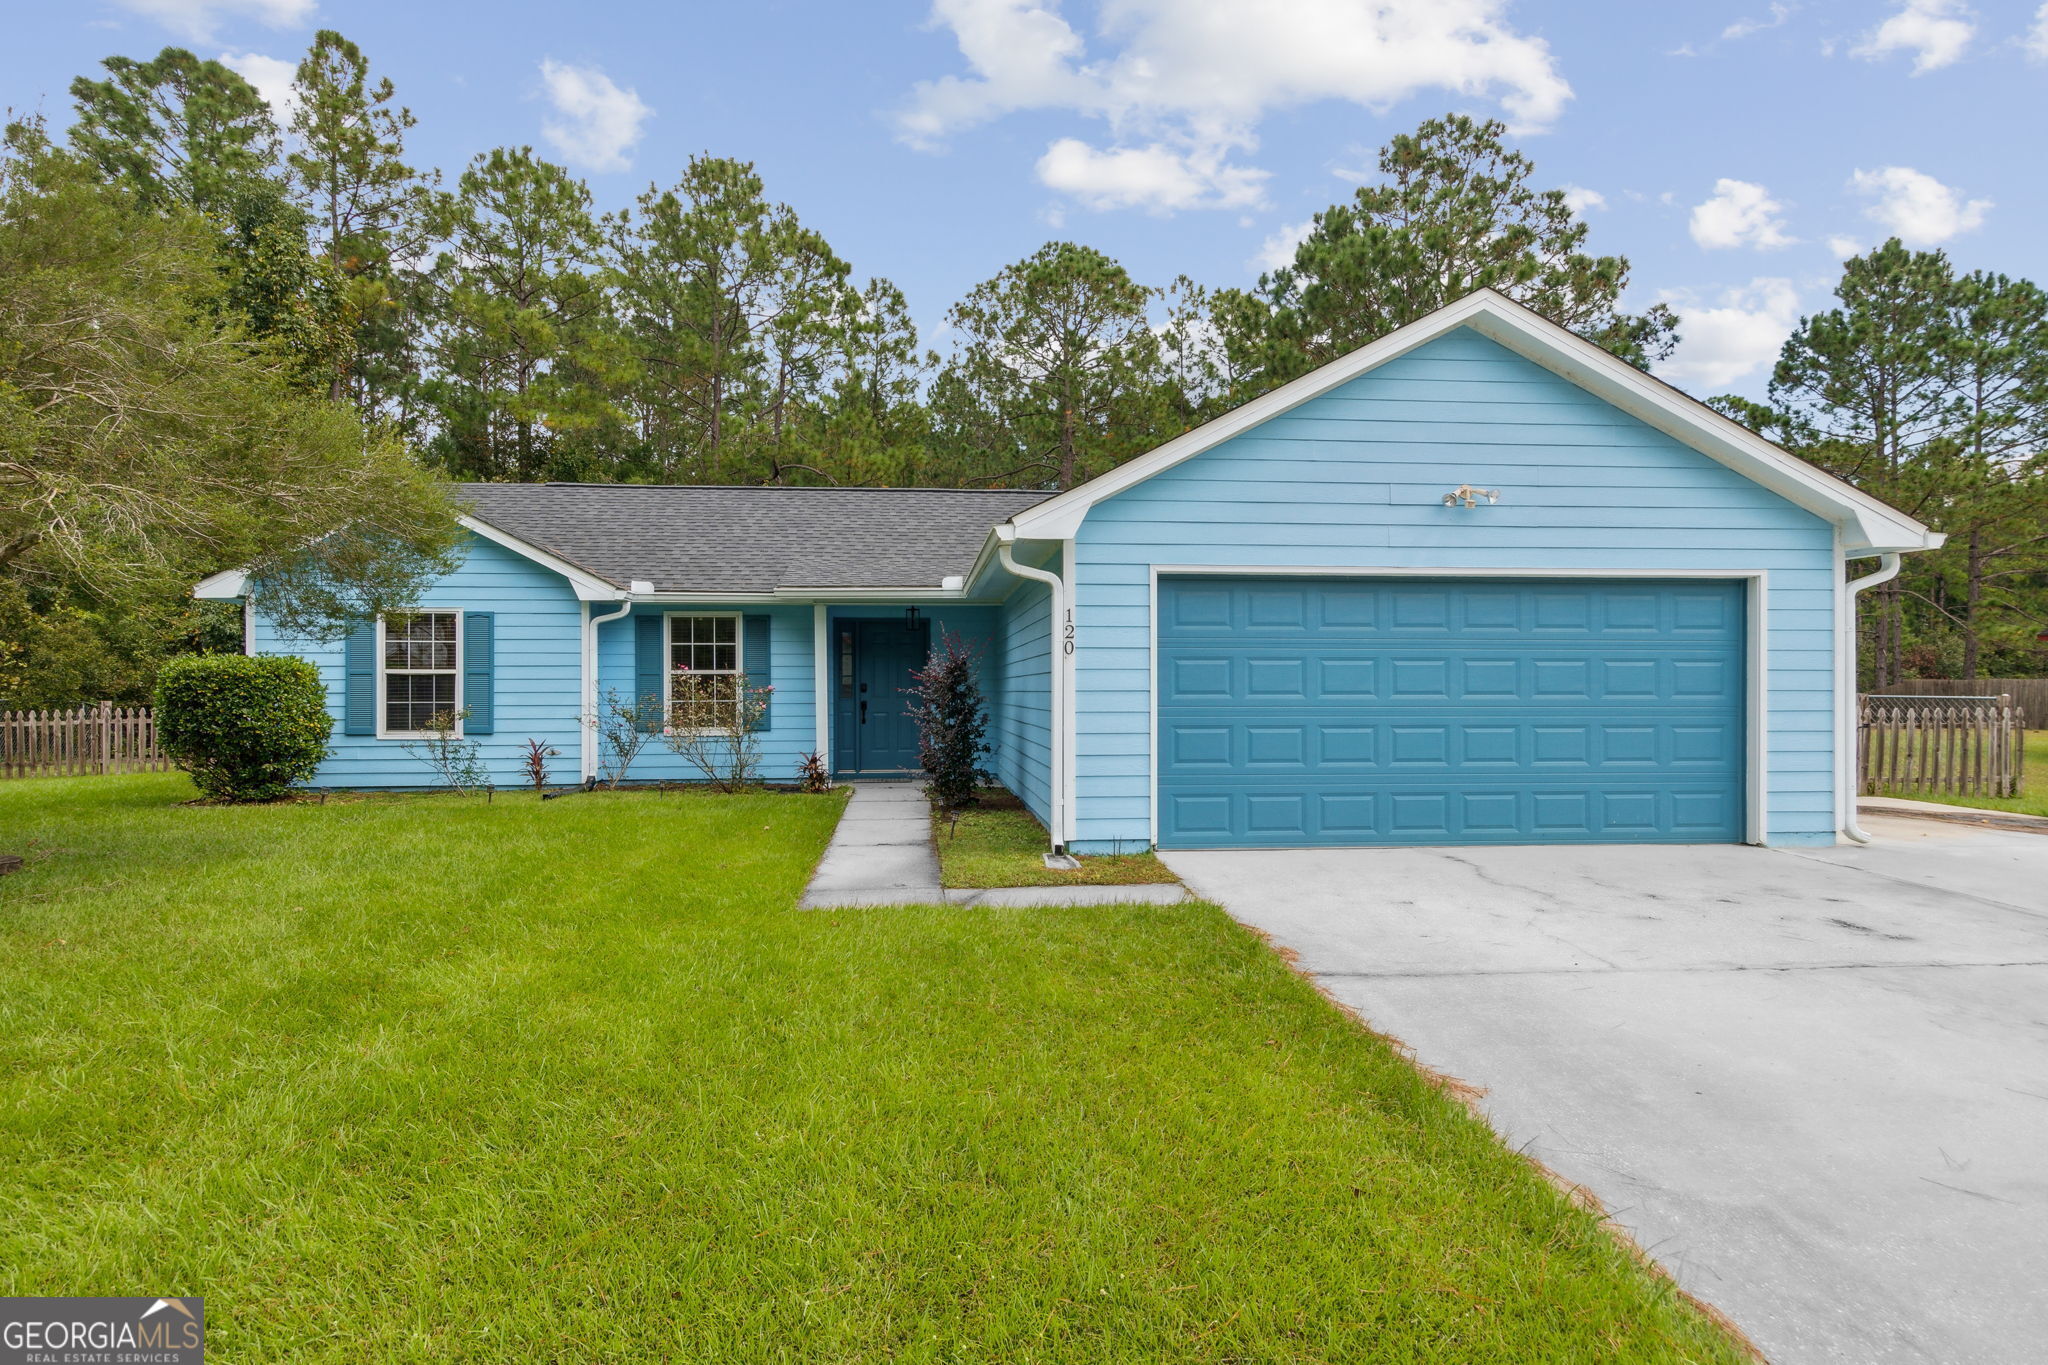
1813,1084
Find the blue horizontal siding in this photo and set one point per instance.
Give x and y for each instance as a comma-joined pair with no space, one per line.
1356,478
1022,731
538,630
793,729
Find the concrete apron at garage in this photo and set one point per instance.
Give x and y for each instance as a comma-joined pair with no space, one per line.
1812,1083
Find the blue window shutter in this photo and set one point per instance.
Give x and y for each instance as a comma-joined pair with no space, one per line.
479,665
359,680
756,660
649,646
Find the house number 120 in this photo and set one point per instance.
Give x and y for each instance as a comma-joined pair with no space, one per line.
1067,640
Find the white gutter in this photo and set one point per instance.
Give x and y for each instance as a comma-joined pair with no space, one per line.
1056,666
588,721
1887,570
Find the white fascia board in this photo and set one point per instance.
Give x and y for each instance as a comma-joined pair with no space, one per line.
783,596
226,586
960,594
589,587
1869,526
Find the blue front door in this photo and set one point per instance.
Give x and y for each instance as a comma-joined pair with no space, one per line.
883,737
1305,711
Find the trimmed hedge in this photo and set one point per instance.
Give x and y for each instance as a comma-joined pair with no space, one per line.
247,729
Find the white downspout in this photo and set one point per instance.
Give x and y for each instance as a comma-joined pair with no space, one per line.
1887,569
1055,666
587,722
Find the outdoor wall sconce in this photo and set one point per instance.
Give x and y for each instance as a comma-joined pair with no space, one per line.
1465,495
912,617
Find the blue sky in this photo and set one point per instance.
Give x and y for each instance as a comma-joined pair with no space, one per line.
1732,149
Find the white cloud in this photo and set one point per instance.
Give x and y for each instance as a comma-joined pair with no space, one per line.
1936,32
599,122
1278,248
1740,331
1918,208
1743,28
272,77
1581,200
2036,41
1191,80
199,20
1739,214
1844,247
1154,177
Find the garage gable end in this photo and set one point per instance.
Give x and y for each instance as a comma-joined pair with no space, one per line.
1547,468
1490,383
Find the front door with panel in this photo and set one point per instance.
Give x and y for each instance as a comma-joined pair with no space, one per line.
882,737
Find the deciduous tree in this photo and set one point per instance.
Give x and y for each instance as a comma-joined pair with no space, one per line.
145,443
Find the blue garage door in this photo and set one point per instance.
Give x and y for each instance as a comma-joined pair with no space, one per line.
1298,711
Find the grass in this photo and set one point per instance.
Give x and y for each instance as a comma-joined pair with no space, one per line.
427,1079
1000,843
2033,797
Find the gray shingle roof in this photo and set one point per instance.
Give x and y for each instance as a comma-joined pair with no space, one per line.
698,538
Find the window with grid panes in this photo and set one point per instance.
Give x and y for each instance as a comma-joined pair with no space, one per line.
419,670
704,664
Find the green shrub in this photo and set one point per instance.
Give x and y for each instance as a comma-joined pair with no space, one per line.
952,723
246,729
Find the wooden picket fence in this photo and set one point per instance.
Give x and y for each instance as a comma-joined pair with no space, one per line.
2029,694
1957,746
80,740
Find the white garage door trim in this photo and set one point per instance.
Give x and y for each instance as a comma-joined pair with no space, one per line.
1757,685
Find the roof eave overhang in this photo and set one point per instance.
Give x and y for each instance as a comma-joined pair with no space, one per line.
798,594
1867,525
229,585
589,586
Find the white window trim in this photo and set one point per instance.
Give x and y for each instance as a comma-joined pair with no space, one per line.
668,661
382,731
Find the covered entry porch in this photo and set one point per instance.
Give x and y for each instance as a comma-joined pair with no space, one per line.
868,655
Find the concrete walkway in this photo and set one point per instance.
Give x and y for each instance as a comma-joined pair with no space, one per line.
1962,815
881,854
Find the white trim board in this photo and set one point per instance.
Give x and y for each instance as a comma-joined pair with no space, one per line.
1756,659
1867,525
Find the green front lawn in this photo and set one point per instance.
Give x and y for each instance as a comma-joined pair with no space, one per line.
2033,797
1000,843
430,1079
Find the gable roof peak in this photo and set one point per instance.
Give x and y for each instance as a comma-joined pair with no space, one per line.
1867,525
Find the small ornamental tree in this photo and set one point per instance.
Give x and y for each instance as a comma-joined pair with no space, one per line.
714,724
247,729
623,729
458,762
952,723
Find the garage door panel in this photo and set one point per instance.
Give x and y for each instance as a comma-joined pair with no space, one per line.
1341,711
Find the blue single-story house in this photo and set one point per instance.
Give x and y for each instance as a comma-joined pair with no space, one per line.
1476,582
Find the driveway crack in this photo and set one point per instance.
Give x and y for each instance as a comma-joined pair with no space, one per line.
1484,874
2032,911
